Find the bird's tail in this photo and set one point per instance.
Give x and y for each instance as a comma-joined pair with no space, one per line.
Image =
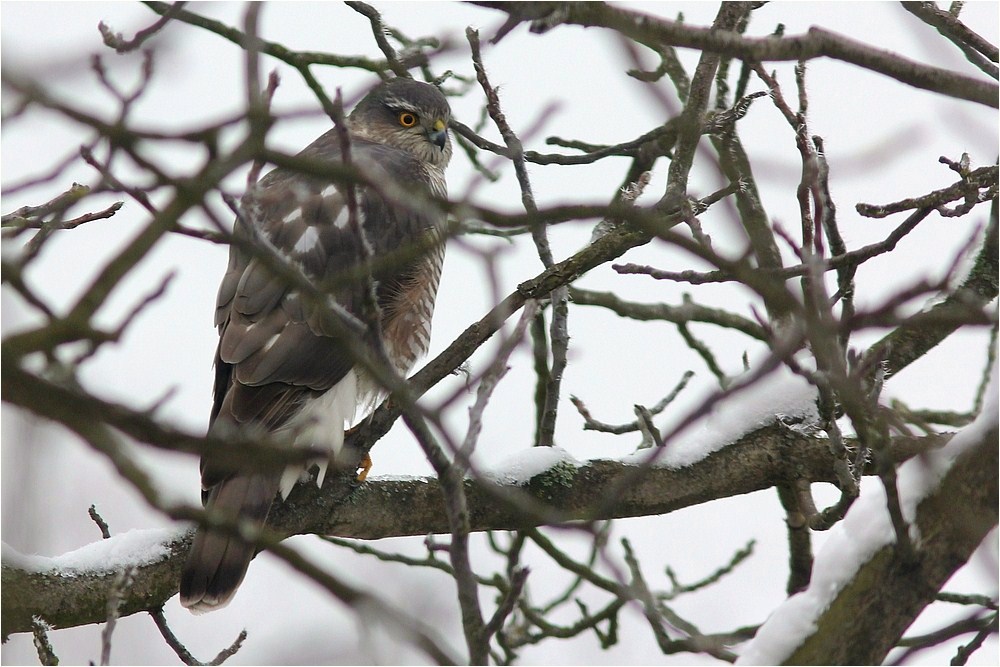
218,560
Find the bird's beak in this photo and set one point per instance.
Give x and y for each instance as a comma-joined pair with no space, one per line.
439,134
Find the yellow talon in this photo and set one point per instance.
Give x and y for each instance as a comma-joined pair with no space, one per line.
364,467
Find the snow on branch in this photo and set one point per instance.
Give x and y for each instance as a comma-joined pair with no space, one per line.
948,497
36,586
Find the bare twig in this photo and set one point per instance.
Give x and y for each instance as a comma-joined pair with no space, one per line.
43,646
977,50
451,478
182,651
31,216
964,652
679,588
688,311
659,615
121,584
558,332
854,257
517,580
99,520
982,180
379,33
982,624
591,424
650,434
116,41
300,60
704,352
498,368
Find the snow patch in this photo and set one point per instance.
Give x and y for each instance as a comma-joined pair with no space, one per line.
521,467
136,547
779,393
400,478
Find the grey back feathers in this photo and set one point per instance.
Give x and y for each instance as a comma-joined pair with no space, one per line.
277,368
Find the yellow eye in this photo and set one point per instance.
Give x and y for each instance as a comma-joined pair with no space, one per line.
407,119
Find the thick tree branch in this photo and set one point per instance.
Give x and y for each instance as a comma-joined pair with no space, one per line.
921,333
378,509
870,614
816,43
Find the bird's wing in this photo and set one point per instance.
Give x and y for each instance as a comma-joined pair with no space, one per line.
274,352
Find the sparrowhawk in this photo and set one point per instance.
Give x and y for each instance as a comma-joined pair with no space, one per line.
277,368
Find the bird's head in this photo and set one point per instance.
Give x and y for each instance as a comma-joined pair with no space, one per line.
408,115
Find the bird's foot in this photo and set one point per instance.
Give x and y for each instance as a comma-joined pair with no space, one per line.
363,467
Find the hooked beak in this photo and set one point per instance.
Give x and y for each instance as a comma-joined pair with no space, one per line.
439,134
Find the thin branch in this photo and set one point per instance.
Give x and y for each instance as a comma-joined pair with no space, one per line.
659,615
704,352
456,510
379,33
410,629
815,43
489,381
964,652
737,558
852,258
688,311
43,646
558,332
116,41
508,603
31,216
182,651
662,137
983,178
99,520
591,424
690,121
118,589
977,50
297,59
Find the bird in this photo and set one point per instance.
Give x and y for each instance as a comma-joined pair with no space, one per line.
277,368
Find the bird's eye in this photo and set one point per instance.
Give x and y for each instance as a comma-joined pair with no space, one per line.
407,119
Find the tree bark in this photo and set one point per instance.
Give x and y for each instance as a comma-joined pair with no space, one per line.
871,613
377,509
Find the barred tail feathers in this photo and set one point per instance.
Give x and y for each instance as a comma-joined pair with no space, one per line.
218,560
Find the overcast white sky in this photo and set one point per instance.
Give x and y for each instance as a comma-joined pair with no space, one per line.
883,140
